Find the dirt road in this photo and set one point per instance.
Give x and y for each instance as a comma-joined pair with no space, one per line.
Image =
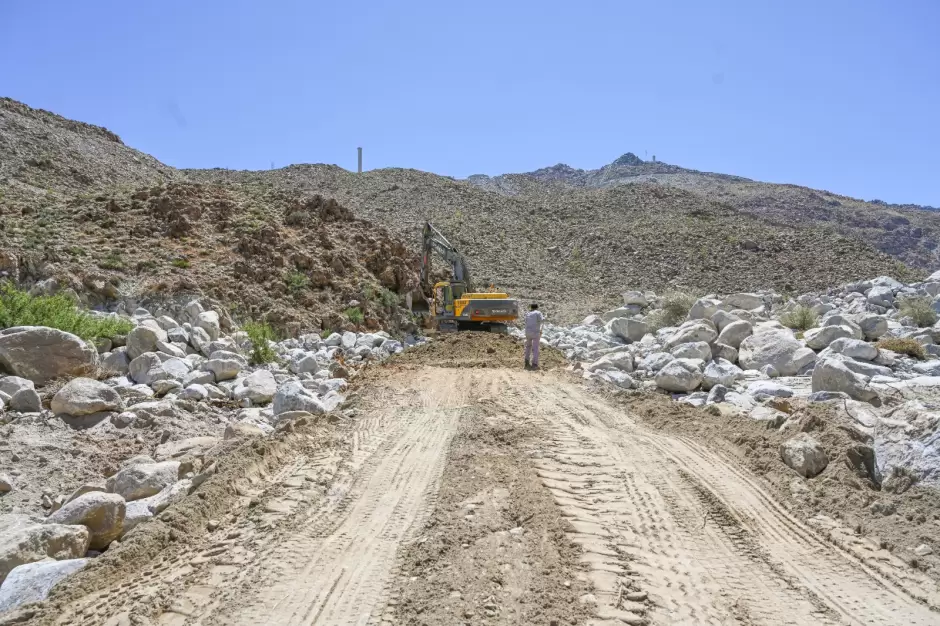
437,506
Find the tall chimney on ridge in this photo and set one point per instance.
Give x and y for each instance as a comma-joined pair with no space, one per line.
360,159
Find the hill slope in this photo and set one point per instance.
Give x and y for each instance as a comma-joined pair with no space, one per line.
574,248
908,232
79,205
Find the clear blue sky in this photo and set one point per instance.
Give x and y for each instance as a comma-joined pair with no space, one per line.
836,94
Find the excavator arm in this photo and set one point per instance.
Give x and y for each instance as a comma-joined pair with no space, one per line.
434,241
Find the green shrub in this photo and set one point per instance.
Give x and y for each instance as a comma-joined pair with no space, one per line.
261,334
800,318
326,333
354,315
676,304
112,262
18,308
919,309
297,282
910,347
180,263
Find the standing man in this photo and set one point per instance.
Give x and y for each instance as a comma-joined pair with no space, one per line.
533,333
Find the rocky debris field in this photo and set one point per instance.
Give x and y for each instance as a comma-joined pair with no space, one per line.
95,442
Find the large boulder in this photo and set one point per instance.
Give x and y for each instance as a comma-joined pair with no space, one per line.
694,350
143,480
820,338
744,301
680,375
907,441
778,348
101,513
26,401
293,396
882,296
854,349
32,582
41,354
209,322
259,387
116,361
694,330
831,374
735,332
144,338
617,378
635,298
873,326
622,361
627,328
655,361
84,396
223,369
30,542
147,369
721,372
805,455
703,309
721,319
12,384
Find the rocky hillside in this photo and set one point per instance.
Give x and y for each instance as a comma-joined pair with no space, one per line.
908,232
44,156
566,248
83,213
81,207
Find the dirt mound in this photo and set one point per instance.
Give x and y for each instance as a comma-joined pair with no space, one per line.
299,261
475,349
492,510
898,522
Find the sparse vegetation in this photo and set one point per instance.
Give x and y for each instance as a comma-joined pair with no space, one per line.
181,263
18,308
261,334
676,306
326,333
910,347
919,309
801,318
354,315
297,282
113,261
386,297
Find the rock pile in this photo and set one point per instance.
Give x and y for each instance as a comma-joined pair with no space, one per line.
734,354
150,382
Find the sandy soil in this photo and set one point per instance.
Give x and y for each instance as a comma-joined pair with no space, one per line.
896,522
493,496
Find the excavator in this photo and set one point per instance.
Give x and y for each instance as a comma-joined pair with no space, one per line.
454,304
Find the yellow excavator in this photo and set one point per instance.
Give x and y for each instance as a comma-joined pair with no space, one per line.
454,303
